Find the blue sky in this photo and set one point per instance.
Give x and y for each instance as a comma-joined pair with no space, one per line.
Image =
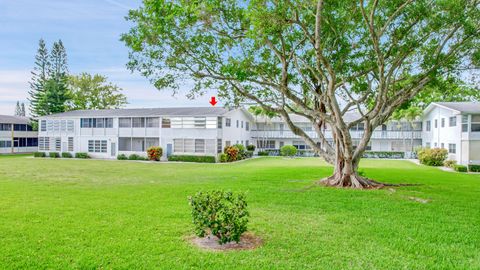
90,31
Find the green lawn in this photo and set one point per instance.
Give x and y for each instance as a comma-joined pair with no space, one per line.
120,214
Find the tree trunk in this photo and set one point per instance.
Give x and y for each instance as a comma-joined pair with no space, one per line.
346,175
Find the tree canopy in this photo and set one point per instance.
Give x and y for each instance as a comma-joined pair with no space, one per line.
318,59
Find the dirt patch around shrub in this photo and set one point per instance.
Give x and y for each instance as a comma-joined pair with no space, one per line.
247,241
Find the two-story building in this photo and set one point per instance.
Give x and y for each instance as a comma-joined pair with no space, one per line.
16,135
454,126
107,133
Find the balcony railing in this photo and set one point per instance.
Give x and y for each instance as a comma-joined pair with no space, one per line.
377,134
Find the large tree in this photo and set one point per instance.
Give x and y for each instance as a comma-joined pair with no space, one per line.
318,59
39,78
94,92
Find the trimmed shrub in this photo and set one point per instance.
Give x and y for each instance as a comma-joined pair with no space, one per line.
432,157
251,147
39,154
122,157
474,168
450,163
241,151
67,155
383,154
54,154
223,158
232,153
288,151
460,168
248,154
135,157
82,155
262,153
220,213
154,153
188,158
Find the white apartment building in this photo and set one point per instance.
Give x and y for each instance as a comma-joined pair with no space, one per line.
206,131
107,133
454,126
16,135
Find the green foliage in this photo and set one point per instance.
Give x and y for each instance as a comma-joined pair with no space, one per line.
242,151
219,213
154,153
82,155
432,156
474,168
136,157
450,163
251,147
189,158
263,153
94,92
54,154
383,154
122,157
67,155
460,168
38,80
39,154
223,157
288,151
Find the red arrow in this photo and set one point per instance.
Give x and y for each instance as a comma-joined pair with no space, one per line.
213,101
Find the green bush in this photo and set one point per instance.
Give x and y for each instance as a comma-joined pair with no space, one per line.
251,147
288,151
223,158
82,155
220,213
187,158
474,168
122,157
136,157
262,153
460,168
248,154
154,153
432,157
383,154
241,151
450,163
54,154
39,154
67,155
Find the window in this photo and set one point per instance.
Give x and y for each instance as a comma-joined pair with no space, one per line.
452,148
300,145
5,144
166,123
436,123
228,143
247,143
178,145
98,123
189,145
237,123
70,144
428,125
43,125
452,121
124,144
442,145
108,122
43,143
49,125
219,122
247,126
228,122
152,122
199,146
19,127
269,144
138,144
149,142
63,125
86,123
427,145
200,122
241,124
475,125
442,123
125,122
70,126
58,144
5,127
97,146
138,122
219,146
56,125
464,123
435,144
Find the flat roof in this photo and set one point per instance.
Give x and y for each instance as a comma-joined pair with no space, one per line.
463,107
146,112
9,119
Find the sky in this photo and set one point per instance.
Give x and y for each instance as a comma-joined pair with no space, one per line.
90,31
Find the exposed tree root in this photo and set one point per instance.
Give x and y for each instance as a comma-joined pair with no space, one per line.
357,182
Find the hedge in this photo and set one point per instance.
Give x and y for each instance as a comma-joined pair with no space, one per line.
474,168
66,155
39,154
187,158
383,154
460,168
54,154
81,155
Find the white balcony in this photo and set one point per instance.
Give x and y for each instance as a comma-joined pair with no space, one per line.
377,134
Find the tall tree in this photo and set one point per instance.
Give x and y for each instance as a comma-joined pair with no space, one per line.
18,109
39,77
319,59
22,109
94,92
56,96
58,58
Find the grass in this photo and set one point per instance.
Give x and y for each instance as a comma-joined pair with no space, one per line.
119,214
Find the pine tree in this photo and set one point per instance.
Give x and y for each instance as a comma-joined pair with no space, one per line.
18,110
39,77
58,58
23,113
56,96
